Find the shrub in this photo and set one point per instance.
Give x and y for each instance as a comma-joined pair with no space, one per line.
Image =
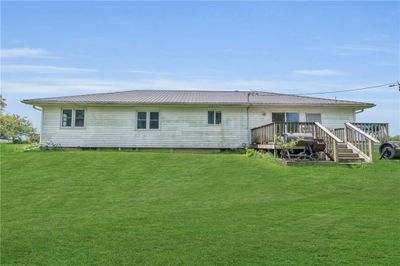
49,146
261,155
395,138
250,152
33,147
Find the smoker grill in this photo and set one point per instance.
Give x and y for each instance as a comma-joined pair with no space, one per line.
310,148
390,150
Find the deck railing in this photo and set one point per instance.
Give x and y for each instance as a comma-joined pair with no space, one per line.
360,141
379,131
339,132
331,141
266,134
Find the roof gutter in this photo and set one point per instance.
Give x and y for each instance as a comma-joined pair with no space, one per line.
37,108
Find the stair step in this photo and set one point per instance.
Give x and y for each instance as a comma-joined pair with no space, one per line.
348,155
345,151
350,164
359,160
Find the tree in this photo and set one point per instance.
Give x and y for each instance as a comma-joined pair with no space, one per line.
14,126
3,104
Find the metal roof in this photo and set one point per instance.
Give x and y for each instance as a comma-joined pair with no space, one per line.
194,97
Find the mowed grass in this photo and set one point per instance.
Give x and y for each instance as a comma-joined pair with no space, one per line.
110,207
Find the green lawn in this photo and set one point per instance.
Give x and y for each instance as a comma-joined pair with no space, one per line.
110,207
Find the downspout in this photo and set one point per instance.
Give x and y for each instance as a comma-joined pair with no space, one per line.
359,111
41,121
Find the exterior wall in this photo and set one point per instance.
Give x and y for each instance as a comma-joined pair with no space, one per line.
332,117
180,127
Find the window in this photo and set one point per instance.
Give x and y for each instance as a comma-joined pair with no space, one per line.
79,118
67,118
292,117
141,120
217,117
154,120
313,117
278,117
285,117
73,118
214,117
211,117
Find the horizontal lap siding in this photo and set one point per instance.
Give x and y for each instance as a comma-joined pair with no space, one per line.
180,127
332,117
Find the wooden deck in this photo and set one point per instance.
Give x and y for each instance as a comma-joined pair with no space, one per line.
355,138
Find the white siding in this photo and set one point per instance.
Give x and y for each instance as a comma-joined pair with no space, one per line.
180,127
331,117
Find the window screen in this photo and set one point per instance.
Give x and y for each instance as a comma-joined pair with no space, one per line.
141,120
218,117
278,117
67,118
79,118
154,120
211,117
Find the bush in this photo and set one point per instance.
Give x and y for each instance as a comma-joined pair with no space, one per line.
395,138
250,152
34,138
33,147
49,146
261,155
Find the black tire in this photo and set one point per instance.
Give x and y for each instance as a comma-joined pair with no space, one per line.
388,152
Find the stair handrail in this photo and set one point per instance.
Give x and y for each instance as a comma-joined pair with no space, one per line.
352,134
327,131
362,132
330,140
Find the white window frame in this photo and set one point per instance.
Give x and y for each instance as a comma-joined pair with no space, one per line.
73,118
215,117
148,120
285,112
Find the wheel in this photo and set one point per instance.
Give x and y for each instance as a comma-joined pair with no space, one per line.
388,153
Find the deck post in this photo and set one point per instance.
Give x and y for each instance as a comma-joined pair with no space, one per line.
335,151
371,150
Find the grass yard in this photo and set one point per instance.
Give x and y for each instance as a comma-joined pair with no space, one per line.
110,207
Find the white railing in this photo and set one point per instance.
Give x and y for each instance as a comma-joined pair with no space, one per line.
331,141
379,131
360,141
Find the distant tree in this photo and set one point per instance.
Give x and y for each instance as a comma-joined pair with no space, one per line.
3,104
14,126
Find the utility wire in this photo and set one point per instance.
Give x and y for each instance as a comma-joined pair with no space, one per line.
349,90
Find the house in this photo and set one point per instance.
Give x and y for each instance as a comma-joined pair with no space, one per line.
180,119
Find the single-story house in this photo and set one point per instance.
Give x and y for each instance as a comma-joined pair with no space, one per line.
179,119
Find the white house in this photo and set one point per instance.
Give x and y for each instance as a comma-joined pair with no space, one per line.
179,119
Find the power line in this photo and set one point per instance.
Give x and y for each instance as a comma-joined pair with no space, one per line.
349,90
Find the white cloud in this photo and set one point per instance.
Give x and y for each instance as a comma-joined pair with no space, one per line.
43,69
148,72
23,52
318,72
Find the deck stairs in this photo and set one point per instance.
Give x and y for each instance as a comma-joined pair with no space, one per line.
348,156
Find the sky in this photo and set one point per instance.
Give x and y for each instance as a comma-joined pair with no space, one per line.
69,48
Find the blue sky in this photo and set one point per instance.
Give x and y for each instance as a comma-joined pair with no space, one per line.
61,48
